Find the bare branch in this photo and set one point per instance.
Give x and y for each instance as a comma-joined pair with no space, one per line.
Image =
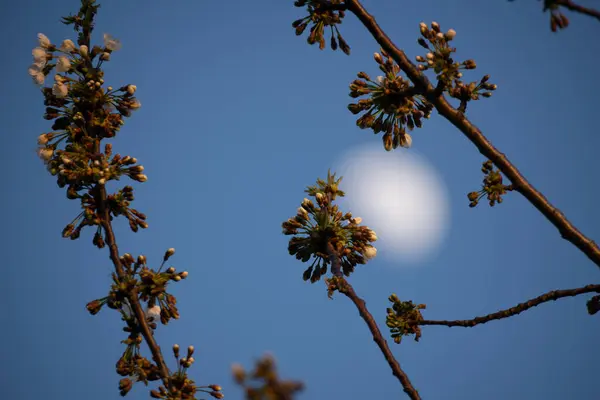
572,6
519,308
347,289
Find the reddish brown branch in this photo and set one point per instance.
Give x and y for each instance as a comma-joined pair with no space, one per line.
133,297
567,230
519,308
572,6
349,292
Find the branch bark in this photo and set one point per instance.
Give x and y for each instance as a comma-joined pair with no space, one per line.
361,305
566,229
519,308
133,296
572,6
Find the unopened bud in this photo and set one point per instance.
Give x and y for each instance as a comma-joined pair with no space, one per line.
169,253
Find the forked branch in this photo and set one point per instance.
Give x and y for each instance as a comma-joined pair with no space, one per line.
566,229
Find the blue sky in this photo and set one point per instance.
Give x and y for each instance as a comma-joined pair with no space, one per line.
238,116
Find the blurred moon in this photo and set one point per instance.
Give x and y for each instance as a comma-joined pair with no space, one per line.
400,196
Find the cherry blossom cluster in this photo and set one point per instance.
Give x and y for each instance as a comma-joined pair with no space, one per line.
322,14
316,226
393,105
448,72
491,187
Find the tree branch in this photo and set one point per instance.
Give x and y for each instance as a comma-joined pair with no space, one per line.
349,292
572,6
566,229
133,296
519,308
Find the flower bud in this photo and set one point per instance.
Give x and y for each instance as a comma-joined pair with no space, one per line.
169,253
67,46
450,34
83,50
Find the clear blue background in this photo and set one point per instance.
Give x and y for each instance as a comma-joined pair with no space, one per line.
238,116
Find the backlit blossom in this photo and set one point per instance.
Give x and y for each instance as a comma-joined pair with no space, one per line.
35,70
135,104
370,252
63,64
45,153
42,139
406,140
44,41
111,43
380,79
153,312
60,90
67,46
39,55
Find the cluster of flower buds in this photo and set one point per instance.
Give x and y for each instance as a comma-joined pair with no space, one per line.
322,14
492,186
180,386
448,72
393,106
317,226
268,385
82,112
403,318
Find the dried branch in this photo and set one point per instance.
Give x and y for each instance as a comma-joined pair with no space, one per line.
344,287
567,230
519,308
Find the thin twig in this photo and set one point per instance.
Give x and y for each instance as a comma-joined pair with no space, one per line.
572,6
519,308
567,230
349,292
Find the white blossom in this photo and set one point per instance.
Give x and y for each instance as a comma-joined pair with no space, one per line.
45,153
60,90
380,79
135,104
67,46
39,55
357,220
405,140
153,312
63,64
111,43
450,34
42,139
370,252
44,41
35,70
131,89
372,236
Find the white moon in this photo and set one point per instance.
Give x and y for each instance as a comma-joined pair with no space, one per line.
400,196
